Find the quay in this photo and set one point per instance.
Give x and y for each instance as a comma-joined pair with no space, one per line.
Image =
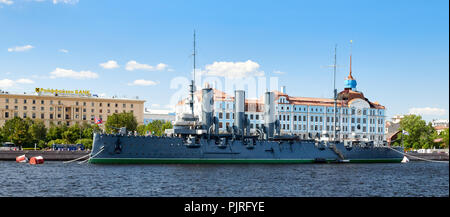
47,155
428,156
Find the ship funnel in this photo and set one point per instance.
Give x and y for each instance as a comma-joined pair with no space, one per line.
239,107
269,114
207,107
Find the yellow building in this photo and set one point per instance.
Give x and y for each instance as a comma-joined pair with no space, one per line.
65,107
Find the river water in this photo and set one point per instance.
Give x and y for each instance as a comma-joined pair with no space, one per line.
414,179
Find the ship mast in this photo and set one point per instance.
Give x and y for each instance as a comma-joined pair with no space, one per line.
335,95
192,86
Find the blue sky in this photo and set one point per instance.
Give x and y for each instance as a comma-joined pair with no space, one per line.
400,48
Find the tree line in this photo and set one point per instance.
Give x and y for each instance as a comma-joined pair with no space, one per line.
415,133
27,132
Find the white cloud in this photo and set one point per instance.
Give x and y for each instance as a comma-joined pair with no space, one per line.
20,48
142,82
25,81
278,72
5,83
427,111
8,2
133,65
111,64
63,51
68,73
65,1
233,69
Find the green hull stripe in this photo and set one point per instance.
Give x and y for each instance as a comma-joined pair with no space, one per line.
226,161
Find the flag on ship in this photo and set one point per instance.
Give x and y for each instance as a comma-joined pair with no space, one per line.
98,121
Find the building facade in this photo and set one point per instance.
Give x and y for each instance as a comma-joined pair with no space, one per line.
356,116
58,109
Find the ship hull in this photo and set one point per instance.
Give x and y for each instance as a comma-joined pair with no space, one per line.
116,149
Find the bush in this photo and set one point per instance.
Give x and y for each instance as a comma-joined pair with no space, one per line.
86,142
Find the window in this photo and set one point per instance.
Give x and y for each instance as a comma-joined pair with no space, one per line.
312,118
24,101
124,105
251,117
131,105
7,100
257,117
6,114
33,115
116,105
15,100
42,102
92,104
101,104
220,115
24,108
42,115
84,103
6,107
34,101
220,125
76,103
24,115
227,116
42,108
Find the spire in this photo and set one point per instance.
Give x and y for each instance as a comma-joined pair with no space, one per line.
350,82
350,77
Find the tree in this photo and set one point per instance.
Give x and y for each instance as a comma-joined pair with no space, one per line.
38,131
444,136
116,121
420,134
56,131
72,133
142,129
16,130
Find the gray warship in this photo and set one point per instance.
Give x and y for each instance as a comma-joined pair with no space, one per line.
195,139
192,141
